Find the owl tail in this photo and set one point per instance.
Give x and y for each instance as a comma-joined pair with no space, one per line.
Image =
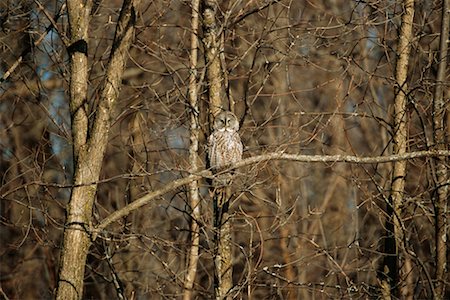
222,180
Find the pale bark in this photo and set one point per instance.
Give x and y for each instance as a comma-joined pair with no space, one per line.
400,145
194,197
223,251
89,146
439,110
222,227
76,238
212,57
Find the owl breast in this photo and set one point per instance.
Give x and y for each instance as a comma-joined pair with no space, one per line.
225,148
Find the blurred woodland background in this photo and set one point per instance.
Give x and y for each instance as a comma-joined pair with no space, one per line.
304,77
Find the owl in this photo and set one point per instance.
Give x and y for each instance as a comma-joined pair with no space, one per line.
224,144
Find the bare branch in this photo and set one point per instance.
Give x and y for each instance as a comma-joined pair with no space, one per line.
36,43
118,214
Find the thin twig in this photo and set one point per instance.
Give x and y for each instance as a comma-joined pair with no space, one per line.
118,214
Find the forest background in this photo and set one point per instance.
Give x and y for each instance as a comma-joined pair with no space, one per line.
344,117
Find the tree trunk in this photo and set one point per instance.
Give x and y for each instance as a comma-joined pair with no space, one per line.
439,109
222,226
212,57
394,238
194,197
76,238
223,254
89,145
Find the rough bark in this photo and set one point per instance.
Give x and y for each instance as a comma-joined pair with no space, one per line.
212,57
89,145
222,226
223,252
439,111
194,197
76,239
394,239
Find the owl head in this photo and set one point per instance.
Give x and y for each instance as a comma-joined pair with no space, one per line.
226,121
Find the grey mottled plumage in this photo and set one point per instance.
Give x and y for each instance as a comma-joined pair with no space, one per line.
224,144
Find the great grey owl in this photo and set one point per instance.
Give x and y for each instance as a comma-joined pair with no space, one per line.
224,144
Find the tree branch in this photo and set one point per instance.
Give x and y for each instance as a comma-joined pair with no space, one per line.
257,159
37,42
